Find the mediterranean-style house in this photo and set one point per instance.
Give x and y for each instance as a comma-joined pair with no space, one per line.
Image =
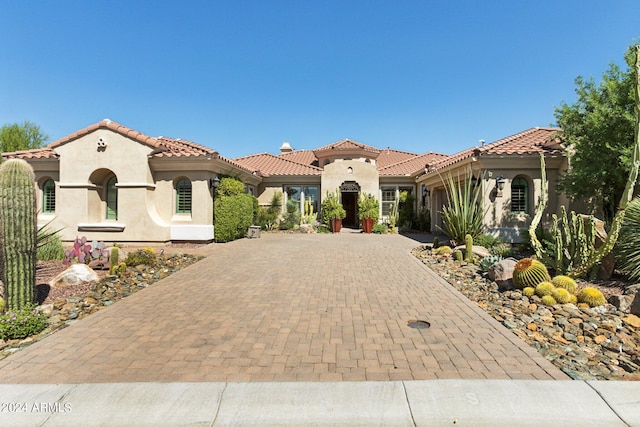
109,182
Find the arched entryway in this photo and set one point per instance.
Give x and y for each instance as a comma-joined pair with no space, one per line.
349,195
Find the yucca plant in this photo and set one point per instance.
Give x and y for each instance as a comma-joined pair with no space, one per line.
628,247
463,213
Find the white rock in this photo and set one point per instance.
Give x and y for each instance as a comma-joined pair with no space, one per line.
77,274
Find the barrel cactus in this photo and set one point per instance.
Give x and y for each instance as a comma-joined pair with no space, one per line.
565,282
18,232
544,288
529,272
529,291
444,250
548,300
591,296
561,295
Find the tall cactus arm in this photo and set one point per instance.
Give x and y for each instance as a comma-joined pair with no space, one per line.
618,220
542,205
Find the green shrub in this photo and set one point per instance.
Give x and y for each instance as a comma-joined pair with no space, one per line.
233,211
486,240
51,250
379,229
146,256
323,228
267,216
503,249
291,219
22,323
423,220
405,211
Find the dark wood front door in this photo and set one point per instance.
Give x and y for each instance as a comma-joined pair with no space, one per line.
350,205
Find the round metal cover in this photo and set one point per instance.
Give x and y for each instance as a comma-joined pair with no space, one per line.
419,324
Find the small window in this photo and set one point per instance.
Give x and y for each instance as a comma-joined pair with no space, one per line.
49,196
519,196
388,200
112,198
183,196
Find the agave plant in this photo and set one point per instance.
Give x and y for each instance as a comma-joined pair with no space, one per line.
463,213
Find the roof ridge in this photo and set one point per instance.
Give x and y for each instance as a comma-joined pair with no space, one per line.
411,159
107,124
180,141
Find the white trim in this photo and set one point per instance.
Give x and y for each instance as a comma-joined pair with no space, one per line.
101,226
191,233
135,185
77,185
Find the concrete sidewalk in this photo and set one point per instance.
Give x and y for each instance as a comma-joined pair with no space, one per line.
389,403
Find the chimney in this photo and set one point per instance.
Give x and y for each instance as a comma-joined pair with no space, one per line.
286,148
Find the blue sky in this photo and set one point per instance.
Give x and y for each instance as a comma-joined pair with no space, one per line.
244,76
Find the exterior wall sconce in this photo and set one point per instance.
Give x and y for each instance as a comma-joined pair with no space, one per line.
500,185
214,183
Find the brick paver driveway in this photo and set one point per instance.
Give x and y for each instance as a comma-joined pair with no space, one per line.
287,307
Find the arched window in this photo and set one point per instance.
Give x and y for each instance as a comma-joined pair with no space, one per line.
519,196
112,198
183,196
49,196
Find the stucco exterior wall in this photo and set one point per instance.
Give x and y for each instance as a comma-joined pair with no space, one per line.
498,219
84,167
365,174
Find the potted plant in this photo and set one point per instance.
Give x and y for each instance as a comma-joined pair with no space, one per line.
332,211
368,211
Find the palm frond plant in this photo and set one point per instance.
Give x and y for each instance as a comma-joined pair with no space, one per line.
463,214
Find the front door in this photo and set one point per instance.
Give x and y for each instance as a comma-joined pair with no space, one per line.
350,205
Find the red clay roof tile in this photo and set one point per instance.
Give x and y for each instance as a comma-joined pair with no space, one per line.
412,165
268,164
538,140
37,153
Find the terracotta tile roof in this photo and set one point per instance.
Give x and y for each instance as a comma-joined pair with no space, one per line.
412,165
389,156
347,144
37,153
531,141
107,124
176,147
305,157
163,147
268,164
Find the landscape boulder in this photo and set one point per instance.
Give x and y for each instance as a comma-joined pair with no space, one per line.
77,274
502,273
479,251
621,302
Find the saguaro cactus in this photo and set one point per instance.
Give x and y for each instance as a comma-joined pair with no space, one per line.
18,232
